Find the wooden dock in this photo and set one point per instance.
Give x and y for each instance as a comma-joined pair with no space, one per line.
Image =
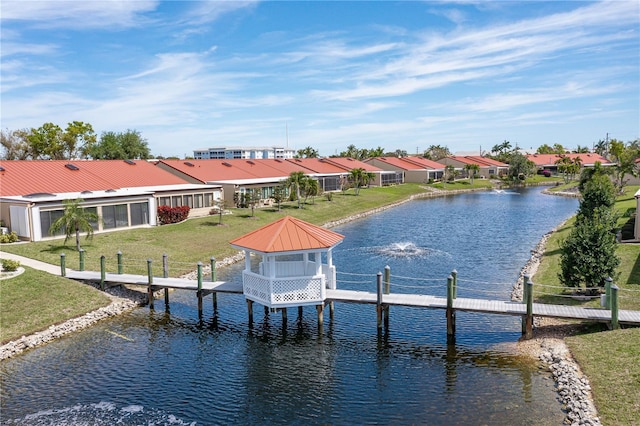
380,300
485,306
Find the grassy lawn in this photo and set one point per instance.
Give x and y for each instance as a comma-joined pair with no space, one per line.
196,240
628,273
463,184
611,362
609,359
34,300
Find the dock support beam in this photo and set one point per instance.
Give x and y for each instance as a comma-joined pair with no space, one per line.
150,280
199,290
379,301
214,295
103,271
451,313
320,309
250,312
284,317
331,311
387,290
527,320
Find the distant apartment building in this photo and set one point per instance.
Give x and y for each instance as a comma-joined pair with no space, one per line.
248,153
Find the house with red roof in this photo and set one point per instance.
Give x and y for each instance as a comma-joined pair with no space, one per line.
549,161
413,169
238,176
488,166
235,176
124,193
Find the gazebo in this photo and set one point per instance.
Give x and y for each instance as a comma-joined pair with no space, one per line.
291,272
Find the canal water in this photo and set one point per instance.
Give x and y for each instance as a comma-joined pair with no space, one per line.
152,367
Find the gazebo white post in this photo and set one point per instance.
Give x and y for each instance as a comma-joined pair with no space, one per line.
247,260
332,284
247,268
271,258
323,285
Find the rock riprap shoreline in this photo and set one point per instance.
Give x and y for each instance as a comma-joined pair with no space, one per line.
548,346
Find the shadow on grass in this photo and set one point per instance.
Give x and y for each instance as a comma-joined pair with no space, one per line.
58,248
211,223
634,276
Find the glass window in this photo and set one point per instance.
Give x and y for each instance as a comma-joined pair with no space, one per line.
164,201
176,201
188,201
198,201
139,213
208,199
46,220
115,216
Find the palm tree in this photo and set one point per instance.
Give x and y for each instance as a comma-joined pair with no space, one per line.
358,178
311,189
472,170
297,181
74,220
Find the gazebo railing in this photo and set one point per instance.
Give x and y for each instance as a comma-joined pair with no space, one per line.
284,291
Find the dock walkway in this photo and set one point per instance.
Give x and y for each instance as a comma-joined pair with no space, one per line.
502,307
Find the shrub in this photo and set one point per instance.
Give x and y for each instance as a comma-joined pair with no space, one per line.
9,265
9,238
168,214
546,173
329,195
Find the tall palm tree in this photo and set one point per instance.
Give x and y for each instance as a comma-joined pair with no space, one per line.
311,189
472,170
74,220
297,181
357,178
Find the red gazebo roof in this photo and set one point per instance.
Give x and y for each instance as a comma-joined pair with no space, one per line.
286,235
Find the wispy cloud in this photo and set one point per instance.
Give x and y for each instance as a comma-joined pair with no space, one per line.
77,14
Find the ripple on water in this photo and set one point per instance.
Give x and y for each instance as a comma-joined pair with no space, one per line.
102,413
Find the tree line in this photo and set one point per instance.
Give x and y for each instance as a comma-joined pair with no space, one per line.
77,141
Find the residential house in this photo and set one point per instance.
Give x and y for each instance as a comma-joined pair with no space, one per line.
413,169
548,161
124,194
488,167
236,176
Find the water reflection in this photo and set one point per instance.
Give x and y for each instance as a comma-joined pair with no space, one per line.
172,367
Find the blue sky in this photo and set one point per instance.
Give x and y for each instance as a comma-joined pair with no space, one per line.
400,75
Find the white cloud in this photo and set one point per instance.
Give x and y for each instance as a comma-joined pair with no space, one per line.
77,14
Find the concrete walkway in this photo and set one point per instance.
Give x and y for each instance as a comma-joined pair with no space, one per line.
32,263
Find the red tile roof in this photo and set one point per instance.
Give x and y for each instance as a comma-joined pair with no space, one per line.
550,159
286,235
234,169
19,178
349,164
423,162
476,159
318,165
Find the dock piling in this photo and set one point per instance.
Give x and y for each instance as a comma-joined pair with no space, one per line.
120,266
451,314
199,293
387,290
607,298
150,282
527,320
379,300
614,307
103,271
81,253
